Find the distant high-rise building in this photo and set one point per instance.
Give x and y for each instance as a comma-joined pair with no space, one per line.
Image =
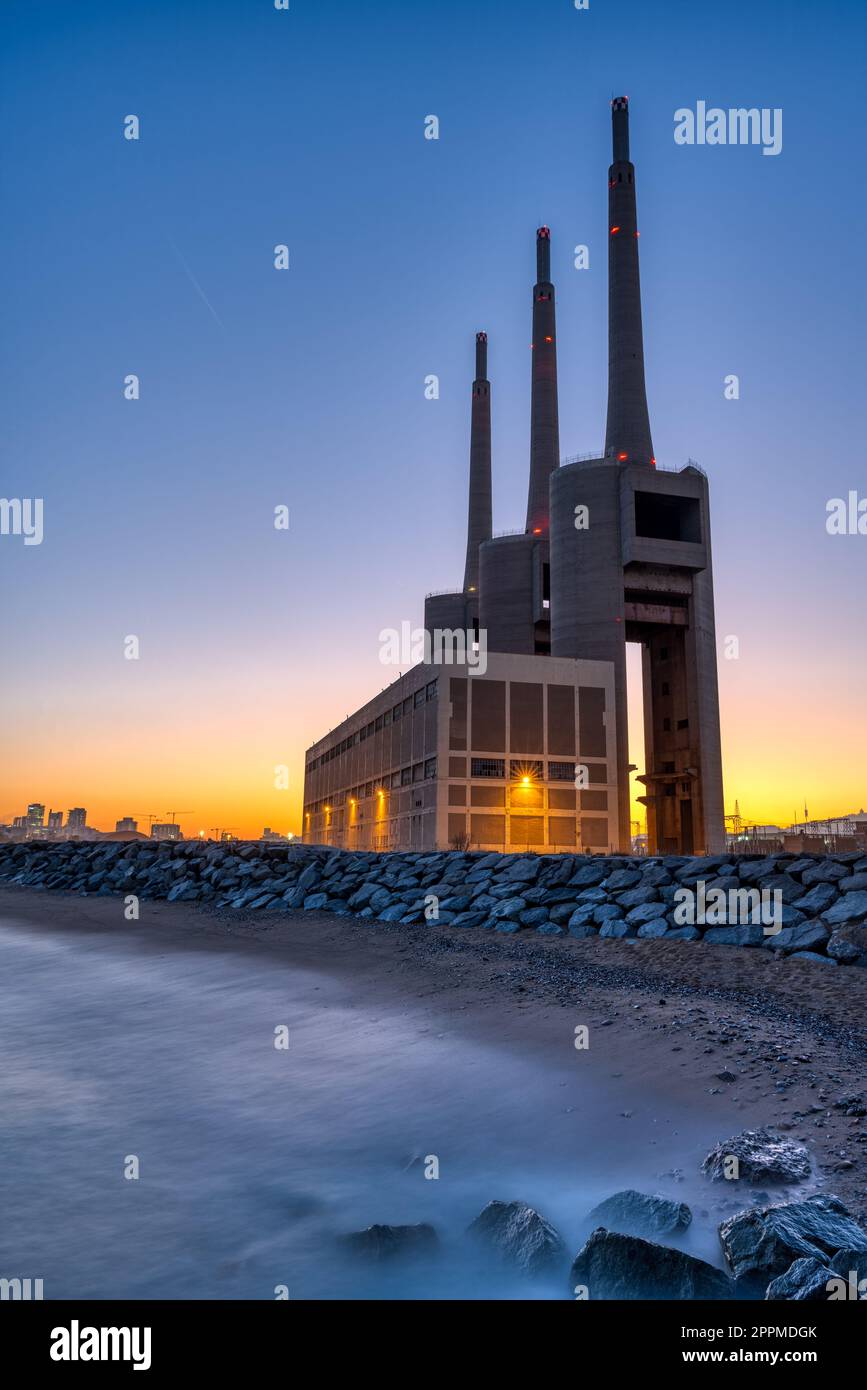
35,816
76,819
126,823
55,820
165,830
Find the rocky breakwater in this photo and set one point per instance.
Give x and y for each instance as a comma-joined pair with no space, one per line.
812,907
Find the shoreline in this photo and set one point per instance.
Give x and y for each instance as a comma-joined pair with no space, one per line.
668,1015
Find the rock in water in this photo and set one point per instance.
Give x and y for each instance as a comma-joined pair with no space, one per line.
635,1214
520,1235
765,1241
612,1265
391,1242
804,1281
761,1157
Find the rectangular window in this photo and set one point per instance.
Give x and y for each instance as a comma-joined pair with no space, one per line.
561,720
395,779
405,776
594,833
525,713
659,516
378,723
458,721
430,768
561,832
457,767
488,830
418,772
561,772
386,718
562,799
418,698
524,767
527,830
489,716
488,796
487,767
397,712
591,721
431,690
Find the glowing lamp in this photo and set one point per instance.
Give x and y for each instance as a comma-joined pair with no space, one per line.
621,458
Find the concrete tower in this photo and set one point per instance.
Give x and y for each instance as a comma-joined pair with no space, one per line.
627,432
631,561
515,570
544,418
460,609
479,516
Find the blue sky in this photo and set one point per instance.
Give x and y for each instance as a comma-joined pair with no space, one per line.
306,387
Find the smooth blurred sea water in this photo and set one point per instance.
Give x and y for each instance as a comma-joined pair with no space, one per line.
253,1160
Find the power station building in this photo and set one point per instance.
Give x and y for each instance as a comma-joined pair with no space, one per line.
528,748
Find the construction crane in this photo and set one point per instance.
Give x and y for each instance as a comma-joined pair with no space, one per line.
178,813
149,816
219,830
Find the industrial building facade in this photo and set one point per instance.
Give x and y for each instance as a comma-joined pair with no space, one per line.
614,549
522,756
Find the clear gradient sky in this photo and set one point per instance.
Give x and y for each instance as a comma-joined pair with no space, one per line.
306,387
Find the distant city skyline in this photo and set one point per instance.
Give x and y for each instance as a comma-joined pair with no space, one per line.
305,388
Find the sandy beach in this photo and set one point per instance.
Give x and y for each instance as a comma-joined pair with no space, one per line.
467,1040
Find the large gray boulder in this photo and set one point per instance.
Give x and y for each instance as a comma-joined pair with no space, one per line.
637,1214
804,1281
763,1242
613,1265
746,935
803,937
842,950
762,1157
519,1235
391,1242
851,907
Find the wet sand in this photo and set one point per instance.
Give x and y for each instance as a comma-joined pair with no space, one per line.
665,1018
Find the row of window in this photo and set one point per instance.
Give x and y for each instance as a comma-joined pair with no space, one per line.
521,767
403,777
399,711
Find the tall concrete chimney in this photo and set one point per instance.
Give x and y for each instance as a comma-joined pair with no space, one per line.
627,433
544,423
480,518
